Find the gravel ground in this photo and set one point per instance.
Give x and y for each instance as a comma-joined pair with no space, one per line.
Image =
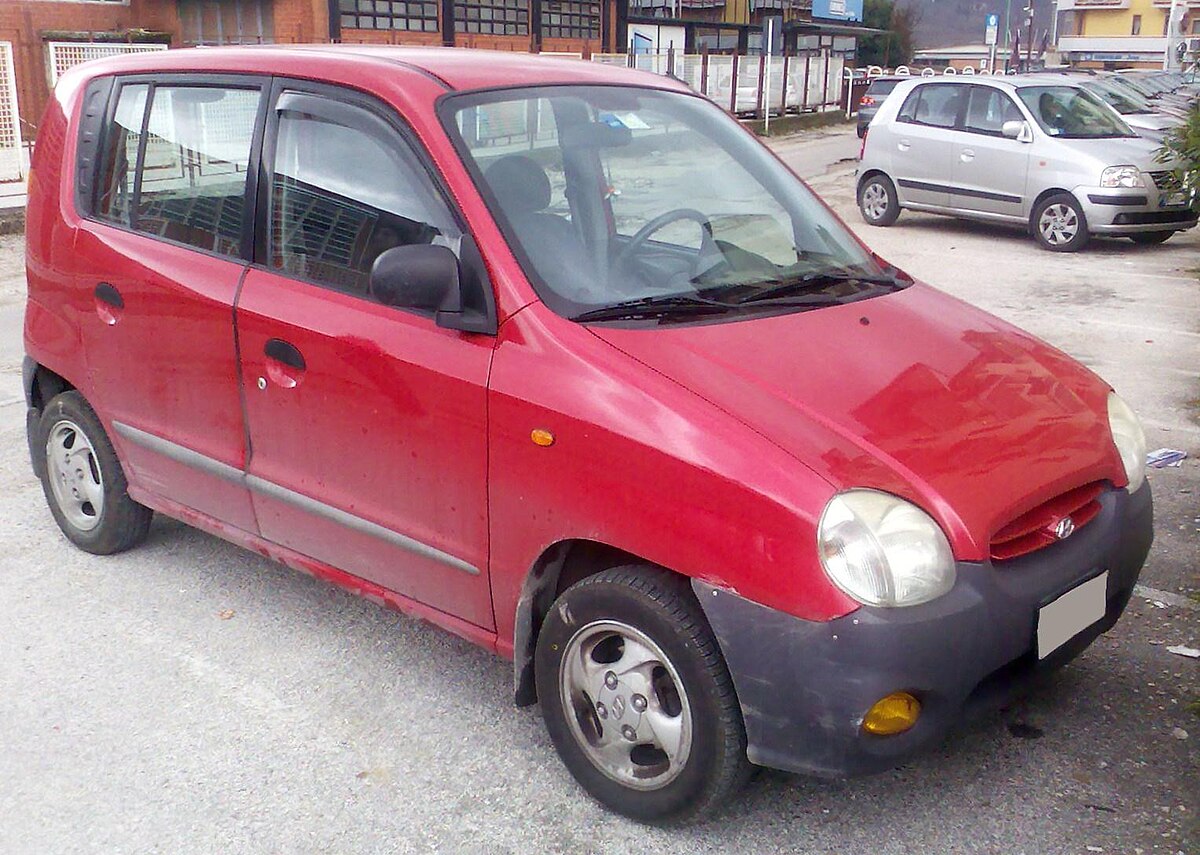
192,697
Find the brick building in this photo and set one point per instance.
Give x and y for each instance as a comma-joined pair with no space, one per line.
46,36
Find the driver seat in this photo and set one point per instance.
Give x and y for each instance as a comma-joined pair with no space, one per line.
549,241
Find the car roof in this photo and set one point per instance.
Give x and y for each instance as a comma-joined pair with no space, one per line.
454,68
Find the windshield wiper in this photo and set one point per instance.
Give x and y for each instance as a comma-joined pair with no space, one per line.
813,281
656,307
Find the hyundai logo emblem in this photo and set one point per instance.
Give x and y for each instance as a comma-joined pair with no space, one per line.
1065,528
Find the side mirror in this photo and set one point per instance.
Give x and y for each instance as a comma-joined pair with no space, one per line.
417,276
1019,131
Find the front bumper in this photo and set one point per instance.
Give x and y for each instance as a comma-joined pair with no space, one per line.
1123,211
805,686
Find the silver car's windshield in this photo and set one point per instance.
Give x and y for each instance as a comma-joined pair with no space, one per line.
651,200
1072,113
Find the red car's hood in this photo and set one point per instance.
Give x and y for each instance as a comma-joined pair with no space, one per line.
915,393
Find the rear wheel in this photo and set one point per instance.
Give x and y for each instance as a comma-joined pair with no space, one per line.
637,698
1059,224
1149,238
83,481
877,201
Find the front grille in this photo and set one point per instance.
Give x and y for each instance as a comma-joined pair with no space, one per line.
1166,181
1038,528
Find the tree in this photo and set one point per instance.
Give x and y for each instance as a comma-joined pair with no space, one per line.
1181,146
891,48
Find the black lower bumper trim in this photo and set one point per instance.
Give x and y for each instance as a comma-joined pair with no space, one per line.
805,686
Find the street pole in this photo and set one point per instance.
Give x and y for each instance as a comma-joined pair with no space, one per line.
1007,30
1029,38
1168,54
767,78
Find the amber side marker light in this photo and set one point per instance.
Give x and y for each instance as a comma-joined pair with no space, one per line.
893,714
542,437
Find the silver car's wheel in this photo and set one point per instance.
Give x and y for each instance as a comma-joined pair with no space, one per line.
626,704
877,201
1059,225
75,477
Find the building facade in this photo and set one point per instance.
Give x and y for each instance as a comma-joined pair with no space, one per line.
1117,34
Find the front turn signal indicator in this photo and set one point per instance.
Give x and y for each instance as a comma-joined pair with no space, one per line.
892,714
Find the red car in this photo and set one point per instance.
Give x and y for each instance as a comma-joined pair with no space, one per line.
560,358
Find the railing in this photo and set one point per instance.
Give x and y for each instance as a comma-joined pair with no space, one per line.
746,85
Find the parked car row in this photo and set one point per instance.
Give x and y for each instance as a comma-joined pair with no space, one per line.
1050,151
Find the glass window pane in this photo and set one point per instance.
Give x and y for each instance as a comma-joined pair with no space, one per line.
193,183
120,156
341,196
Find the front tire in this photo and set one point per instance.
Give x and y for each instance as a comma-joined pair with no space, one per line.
83,481
637,698
1149,238
878,202
1059,224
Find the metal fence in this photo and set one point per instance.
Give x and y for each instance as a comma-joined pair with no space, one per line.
12,150
749,84
64,55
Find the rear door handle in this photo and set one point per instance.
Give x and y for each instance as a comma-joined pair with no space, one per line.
904,145
109,303
282,351
966,155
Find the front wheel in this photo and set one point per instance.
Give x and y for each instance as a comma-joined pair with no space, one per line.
637,698
1149,238
83,481
1059,224
877,201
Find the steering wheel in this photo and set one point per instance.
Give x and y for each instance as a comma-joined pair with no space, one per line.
643,234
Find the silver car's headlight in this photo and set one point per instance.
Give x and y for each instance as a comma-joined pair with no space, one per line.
884,551
1130,439
1122,176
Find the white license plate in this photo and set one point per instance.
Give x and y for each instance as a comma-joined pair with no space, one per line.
1071,614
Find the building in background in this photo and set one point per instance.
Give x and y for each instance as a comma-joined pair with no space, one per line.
1116,34
960,57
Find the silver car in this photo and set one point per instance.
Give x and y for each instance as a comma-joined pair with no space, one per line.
1043,153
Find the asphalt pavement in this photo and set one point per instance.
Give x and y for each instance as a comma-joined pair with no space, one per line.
191,697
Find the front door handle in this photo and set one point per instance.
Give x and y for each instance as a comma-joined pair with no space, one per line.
282,351
285,364
966,155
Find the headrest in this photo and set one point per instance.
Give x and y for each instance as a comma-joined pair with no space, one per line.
519,183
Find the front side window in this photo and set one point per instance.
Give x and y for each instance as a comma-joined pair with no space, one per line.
342,194
988,110
614,195
1072,113
179,170
935,104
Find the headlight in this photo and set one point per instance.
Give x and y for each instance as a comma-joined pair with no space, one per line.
884,551
1122,176
1129,438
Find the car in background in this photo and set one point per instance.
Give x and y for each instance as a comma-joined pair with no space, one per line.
876,94
1039,152
1138,112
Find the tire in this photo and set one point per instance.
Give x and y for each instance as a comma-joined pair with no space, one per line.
1149,238
631,645
877,201
1059,225
83,481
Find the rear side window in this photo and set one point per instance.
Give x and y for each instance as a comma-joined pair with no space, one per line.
178,169
342,192
935,104
118,168
989,109
881,88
